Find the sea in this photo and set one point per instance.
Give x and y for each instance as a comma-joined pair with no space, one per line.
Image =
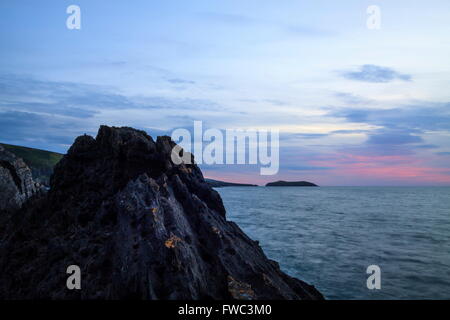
329,236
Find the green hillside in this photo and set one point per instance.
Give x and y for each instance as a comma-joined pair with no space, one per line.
41,162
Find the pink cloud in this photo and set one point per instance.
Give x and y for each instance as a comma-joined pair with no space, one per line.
385,168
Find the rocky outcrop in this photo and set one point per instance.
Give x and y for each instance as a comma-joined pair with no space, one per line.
139,227
16,182
40,162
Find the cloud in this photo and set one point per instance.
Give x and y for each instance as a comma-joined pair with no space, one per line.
305,168
399,131
80,100
39,131
275,102
353,99
50,108
180,81
393,137
353,115
354,166
421,116
304,30
50,114
375,74
305,135
426,146
376,151
52,132
76,100
356,131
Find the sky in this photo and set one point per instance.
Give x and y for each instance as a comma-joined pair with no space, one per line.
354,106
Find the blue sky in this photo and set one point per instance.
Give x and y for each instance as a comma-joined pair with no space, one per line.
354,106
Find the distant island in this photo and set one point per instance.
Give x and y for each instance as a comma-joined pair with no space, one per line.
291,184
218,184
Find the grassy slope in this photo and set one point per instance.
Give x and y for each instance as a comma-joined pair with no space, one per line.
41,162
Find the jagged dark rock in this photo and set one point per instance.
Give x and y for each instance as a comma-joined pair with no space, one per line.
16,182
138,226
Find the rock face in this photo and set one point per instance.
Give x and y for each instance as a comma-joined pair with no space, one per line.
40,162
16,182
138,226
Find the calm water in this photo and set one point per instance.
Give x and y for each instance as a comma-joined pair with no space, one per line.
328,236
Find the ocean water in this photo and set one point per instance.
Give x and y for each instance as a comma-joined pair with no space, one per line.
328,236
